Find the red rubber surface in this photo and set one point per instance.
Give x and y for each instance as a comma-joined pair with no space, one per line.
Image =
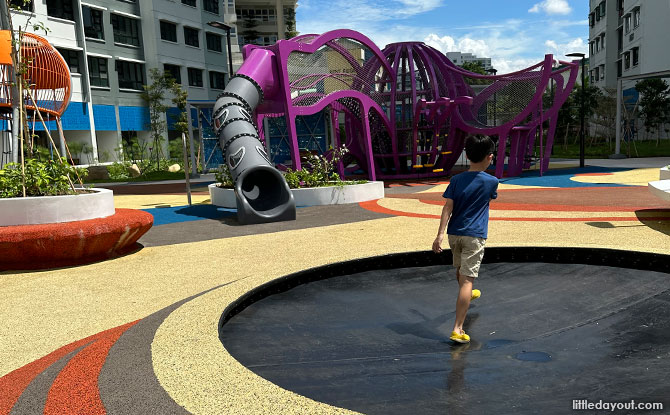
71,243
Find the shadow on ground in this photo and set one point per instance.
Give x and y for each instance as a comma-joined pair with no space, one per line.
656,219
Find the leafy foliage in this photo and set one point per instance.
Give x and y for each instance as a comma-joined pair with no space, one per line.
478,68
319,171
654,103
42,178
224,177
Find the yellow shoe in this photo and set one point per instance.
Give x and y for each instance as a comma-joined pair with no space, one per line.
459,338
475,294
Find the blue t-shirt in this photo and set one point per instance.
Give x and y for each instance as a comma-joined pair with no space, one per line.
471,192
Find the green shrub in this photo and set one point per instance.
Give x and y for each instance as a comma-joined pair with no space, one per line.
43,178
118,171
224,177
319,171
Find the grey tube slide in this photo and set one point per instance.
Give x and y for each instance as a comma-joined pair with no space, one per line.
260,189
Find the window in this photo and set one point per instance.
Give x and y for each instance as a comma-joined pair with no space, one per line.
19,4
93,27
592,48
217,80
71,57
626,61
627,23
602,41
173,70
194,77
131,75
602,72
97,71
213,42
636,17
211,6
62,9
597,44
189,2
592,19
636,56
597,73
602,9
191,37
591,76
126,30
168,31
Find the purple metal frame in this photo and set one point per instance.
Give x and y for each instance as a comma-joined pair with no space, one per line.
438,108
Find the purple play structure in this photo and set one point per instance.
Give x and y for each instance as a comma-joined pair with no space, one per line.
406,110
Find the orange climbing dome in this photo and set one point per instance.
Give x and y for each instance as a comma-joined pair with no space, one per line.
48,76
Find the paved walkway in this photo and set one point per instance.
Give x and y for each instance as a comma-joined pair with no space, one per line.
139,334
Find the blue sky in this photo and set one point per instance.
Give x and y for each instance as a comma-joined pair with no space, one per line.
514,33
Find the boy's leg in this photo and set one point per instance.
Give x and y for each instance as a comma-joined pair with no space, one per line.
471,257
463,301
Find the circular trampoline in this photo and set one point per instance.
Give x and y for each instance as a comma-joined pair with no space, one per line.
553,325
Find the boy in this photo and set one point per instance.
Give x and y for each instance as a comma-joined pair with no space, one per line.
467,211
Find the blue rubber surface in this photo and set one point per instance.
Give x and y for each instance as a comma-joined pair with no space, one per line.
176,214
561,177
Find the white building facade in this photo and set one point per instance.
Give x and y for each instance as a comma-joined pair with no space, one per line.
460,58
111,46
627,38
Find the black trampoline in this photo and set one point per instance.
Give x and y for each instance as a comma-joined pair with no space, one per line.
553,325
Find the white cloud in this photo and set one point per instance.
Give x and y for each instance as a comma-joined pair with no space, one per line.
505,60
561,49
512,44
551,7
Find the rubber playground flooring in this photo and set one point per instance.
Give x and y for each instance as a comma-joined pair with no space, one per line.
139,334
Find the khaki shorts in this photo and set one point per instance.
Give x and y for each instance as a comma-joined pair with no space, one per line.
468,252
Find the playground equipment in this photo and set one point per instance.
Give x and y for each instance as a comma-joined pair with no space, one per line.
48,79
405,111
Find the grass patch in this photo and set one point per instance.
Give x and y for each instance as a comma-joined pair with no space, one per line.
149,177
603,150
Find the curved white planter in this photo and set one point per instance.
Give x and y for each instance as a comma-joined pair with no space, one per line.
665,173
313,196
660,188
55,209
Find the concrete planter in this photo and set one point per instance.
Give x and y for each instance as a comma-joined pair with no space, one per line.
665,173
660,189
56,209
313,196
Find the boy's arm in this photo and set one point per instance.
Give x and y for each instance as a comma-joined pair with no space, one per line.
444,219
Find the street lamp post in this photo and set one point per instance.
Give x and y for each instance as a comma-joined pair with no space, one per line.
495,100
582,110
226,27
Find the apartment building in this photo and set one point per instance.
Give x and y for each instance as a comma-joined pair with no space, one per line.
111,45
263,22
627,38
460,58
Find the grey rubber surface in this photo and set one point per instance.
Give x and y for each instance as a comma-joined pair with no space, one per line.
542,336
227,227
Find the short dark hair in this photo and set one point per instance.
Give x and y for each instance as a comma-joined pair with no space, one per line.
477,147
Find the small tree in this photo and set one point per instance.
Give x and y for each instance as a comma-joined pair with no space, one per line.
249,24
290,24
654,104
478,68
604,117
154,95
